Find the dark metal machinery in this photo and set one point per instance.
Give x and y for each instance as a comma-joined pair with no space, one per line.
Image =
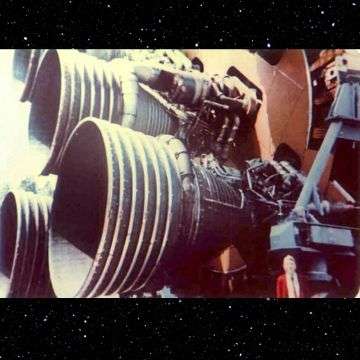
304,235
146,194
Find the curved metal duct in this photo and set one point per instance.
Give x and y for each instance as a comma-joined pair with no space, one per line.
71,86
119,212
144,109
24,246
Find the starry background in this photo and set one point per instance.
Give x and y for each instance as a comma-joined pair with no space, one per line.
180,329
204,24
175,328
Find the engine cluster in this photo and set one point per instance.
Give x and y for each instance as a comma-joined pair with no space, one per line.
140,141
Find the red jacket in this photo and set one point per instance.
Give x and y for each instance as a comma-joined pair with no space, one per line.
281,287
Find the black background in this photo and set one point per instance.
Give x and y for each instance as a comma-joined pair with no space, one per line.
179,329
184,329
181,24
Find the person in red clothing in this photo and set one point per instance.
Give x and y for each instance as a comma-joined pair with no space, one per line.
290,284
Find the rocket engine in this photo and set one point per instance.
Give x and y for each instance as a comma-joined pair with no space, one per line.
146,146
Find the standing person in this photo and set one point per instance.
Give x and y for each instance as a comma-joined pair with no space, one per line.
289,284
